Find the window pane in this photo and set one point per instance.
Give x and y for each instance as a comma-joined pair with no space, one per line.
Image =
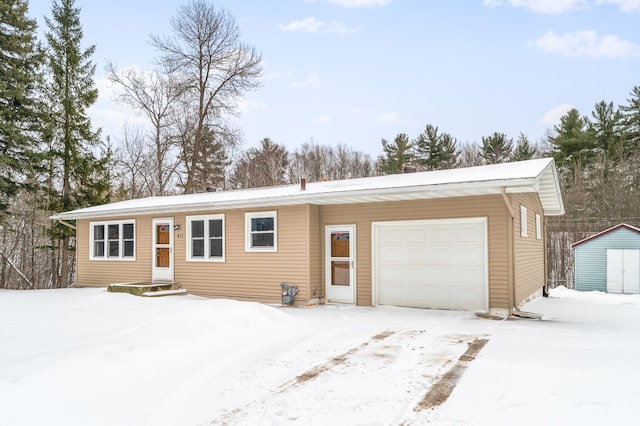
98,249
197,248
114,232
98,232
215,247
215,228
128,249
262,224
114,248
127,231
197,229
262,240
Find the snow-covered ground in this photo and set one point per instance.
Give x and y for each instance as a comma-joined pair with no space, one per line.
88,357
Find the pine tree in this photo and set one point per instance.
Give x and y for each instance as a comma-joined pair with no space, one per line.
396,155
435,151
524,150
20,61
572,143
496,148
79,162
631,120
605,127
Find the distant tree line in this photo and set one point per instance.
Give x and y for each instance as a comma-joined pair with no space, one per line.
52,159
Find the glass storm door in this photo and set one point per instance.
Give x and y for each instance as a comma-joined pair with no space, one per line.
162,250
340,263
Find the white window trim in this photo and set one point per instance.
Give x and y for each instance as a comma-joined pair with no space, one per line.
247,231
106,224
523,221
206,219
538,227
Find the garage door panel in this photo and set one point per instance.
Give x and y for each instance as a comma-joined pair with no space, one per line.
393,236
469,255
469,234
432,264
416,235
440,234
441,256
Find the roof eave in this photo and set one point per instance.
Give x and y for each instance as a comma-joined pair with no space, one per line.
354,196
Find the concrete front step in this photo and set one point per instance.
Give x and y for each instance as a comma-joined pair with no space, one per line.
139,289
160,293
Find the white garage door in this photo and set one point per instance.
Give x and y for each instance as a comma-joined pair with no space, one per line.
432,264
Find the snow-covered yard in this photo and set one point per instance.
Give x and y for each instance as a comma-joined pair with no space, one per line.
88,357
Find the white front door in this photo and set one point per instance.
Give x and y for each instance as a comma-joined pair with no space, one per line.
340,263
162,250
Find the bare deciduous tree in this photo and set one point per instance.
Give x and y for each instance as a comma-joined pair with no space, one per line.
217,67
156,96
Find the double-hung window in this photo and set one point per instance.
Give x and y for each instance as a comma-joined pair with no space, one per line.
205,238
261,231
113,240
523,221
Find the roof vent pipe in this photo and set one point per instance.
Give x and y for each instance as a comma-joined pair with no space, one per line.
303,184
410,169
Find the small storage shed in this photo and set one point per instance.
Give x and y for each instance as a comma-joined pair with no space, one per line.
609,261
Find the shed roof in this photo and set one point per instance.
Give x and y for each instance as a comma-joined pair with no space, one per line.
606,231
538,176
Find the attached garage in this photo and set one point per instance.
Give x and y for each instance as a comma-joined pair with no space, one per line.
439,264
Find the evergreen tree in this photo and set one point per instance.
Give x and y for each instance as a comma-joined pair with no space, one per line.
79,162
605,127
524,150
496,148
572,144
435,151
20,61
396,155
631,120
211,170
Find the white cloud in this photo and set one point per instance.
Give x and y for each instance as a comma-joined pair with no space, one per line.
356,3
323,119
276,75
625,5
554,7
312,25
552,117
312,80
388,117
248,104
586,43
546,7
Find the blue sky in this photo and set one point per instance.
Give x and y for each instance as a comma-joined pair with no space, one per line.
356,71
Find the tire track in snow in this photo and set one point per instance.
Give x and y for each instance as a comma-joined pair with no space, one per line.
379,381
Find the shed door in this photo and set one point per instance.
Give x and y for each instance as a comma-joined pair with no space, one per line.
440,264
623,271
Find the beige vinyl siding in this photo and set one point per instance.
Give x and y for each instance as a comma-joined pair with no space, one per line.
315,238
99,273
254,276
362,215
529,261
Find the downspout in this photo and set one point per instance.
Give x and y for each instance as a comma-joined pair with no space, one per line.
511,248
67,224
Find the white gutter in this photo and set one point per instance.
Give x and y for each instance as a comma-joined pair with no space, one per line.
309,197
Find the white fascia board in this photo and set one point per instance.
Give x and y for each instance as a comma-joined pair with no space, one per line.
322,198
